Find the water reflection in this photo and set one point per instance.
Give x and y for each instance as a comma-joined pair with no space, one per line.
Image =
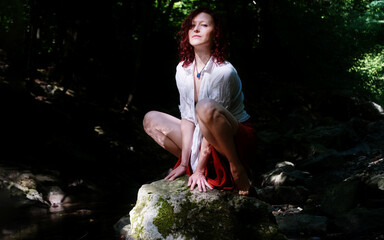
75,218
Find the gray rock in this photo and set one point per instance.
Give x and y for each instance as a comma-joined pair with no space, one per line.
377,181
342,197
302,225
283,194
169,210
361,220
55,198
285,174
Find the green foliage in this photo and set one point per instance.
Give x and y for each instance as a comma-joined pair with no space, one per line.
6,23
14,17
337,44
12,12
366,26
370,69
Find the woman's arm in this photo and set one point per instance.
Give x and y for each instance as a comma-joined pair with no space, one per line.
198,178
187,129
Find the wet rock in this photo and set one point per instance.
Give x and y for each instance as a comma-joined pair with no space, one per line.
35,187
371,110
376,181
300,225
169,210
55,196
285,174
361,220
26,180
328,160
284,185
339,137
283,194
342,197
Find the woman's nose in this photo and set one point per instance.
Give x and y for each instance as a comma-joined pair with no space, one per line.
196,28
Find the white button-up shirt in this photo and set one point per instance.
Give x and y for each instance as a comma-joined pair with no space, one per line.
219,82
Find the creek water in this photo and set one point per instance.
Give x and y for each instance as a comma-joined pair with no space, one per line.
89,209
85,216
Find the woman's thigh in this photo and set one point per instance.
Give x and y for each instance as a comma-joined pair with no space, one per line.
160,125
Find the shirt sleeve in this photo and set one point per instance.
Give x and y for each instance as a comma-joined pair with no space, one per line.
225,87
186,105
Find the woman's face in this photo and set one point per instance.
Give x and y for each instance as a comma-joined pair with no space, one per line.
201,32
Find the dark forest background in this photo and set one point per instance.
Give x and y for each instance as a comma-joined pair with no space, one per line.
77,76
113,50
86,60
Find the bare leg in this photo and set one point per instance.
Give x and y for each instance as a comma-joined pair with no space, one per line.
165,130
219,127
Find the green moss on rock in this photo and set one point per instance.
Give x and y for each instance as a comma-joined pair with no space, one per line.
165,217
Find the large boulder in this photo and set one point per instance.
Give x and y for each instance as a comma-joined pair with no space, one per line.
169,210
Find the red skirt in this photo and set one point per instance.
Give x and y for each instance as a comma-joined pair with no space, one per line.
218,173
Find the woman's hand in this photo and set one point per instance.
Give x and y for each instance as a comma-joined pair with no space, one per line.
177,172
200,180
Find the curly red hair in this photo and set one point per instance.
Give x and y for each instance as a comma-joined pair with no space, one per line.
219,46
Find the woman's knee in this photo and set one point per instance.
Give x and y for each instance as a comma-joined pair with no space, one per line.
149,120
209,112
207,109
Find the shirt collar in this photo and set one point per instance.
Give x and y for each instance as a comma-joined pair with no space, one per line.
210,64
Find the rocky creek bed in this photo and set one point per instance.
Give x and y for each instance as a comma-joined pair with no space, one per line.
320,166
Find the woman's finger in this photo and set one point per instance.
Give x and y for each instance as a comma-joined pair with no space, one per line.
189,181
208,185
203,186
169,175
193,184
172,175
199,185
176,175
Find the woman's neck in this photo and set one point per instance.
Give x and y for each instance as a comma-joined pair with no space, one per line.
202,56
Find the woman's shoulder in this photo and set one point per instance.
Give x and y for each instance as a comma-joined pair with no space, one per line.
182,72
226,68
180,69
179,66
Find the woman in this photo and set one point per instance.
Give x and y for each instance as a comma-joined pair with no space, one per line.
213,138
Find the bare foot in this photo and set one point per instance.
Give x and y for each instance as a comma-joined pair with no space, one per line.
242,182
